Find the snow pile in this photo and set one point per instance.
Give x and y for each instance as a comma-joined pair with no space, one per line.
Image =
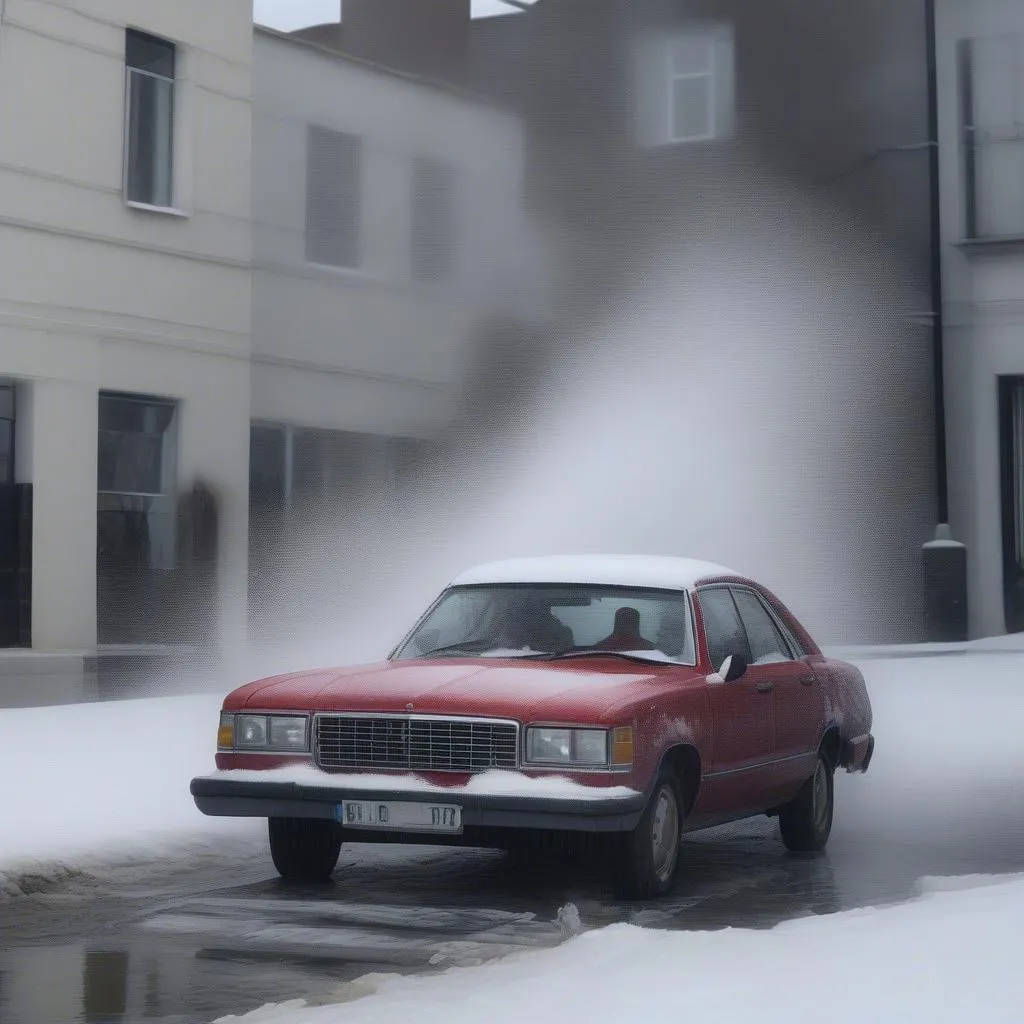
945,958
100,783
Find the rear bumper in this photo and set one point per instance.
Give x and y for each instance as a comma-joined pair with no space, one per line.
226,797
857,753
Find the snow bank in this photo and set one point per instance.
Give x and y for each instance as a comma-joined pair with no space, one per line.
106,783
946,958
96,784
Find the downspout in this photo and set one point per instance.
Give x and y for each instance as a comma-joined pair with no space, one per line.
944,560
935,261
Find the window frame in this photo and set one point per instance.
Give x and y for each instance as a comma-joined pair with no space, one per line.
130,70
356,264
704,626
787,645
147,400
707,39
985,206
796,650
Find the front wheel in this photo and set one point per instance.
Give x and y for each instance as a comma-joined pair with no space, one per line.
806,821
304,849
649,856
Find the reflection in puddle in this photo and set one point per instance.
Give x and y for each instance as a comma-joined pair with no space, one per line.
104,987
211,957
76,985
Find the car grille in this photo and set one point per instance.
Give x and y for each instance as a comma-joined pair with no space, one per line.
415,744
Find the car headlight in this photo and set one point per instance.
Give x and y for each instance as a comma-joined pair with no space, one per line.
277,733
582,748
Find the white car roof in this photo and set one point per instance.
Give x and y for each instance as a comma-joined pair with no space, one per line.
659,572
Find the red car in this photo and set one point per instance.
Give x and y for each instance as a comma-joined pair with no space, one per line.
630,697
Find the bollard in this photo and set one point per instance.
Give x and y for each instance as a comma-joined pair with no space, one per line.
945,587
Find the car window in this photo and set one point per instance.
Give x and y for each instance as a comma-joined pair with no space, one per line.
722,626
766,642
666,624
501,620
460,616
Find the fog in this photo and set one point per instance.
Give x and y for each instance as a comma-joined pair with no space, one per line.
735,409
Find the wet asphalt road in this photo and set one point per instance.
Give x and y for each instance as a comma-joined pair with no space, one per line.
226,936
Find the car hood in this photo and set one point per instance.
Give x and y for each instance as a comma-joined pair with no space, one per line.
569,691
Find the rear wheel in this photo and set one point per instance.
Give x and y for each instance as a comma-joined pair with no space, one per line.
648,857
304,849
806,821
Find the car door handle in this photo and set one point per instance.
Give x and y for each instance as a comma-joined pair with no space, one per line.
765,687
807,680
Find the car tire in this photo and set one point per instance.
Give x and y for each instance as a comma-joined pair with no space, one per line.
648,857
806,821
304,849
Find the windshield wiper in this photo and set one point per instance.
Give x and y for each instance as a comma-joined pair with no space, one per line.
654,658
467,646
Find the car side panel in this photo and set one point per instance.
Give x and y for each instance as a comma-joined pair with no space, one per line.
672,717
800,723
738,778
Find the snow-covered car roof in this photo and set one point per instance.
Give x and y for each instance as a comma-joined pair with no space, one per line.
660,572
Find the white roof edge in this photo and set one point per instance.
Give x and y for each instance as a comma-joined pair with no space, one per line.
656,571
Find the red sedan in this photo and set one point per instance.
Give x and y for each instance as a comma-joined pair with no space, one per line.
627,697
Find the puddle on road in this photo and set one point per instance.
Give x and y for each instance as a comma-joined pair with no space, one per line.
216,955
101,985
191,957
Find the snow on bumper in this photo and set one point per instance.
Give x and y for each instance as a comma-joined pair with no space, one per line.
504,800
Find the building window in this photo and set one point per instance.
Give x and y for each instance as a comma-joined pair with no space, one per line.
992,125
136,516
149,119
691,96
333,197
433,219
686,85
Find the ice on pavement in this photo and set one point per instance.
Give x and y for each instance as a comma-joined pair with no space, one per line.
945,959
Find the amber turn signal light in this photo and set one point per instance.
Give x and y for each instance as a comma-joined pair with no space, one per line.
226,732
622,746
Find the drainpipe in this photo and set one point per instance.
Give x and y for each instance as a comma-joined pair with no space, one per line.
944,559
935,219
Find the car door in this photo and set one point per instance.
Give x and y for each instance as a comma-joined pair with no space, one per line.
798,699
742,715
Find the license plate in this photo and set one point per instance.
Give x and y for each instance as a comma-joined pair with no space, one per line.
398,816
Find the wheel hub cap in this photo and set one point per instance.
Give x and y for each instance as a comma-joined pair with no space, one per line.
820,797
665,833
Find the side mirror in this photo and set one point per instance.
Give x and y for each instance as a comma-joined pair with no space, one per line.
734,667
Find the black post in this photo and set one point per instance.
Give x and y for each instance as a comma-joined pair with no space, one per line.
935,232
944,559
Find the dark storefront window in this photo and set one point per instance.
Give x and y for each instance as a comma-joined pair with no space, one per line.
136,484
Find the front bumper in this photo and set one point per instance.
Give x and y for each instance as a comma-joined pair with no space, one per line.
240,798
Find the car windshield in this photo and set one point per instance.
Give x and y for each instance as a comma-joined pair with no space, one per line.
556,621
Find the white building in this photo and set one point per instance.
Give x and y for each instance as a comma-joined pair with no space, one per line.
981,94
387,229
203,239
125,307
